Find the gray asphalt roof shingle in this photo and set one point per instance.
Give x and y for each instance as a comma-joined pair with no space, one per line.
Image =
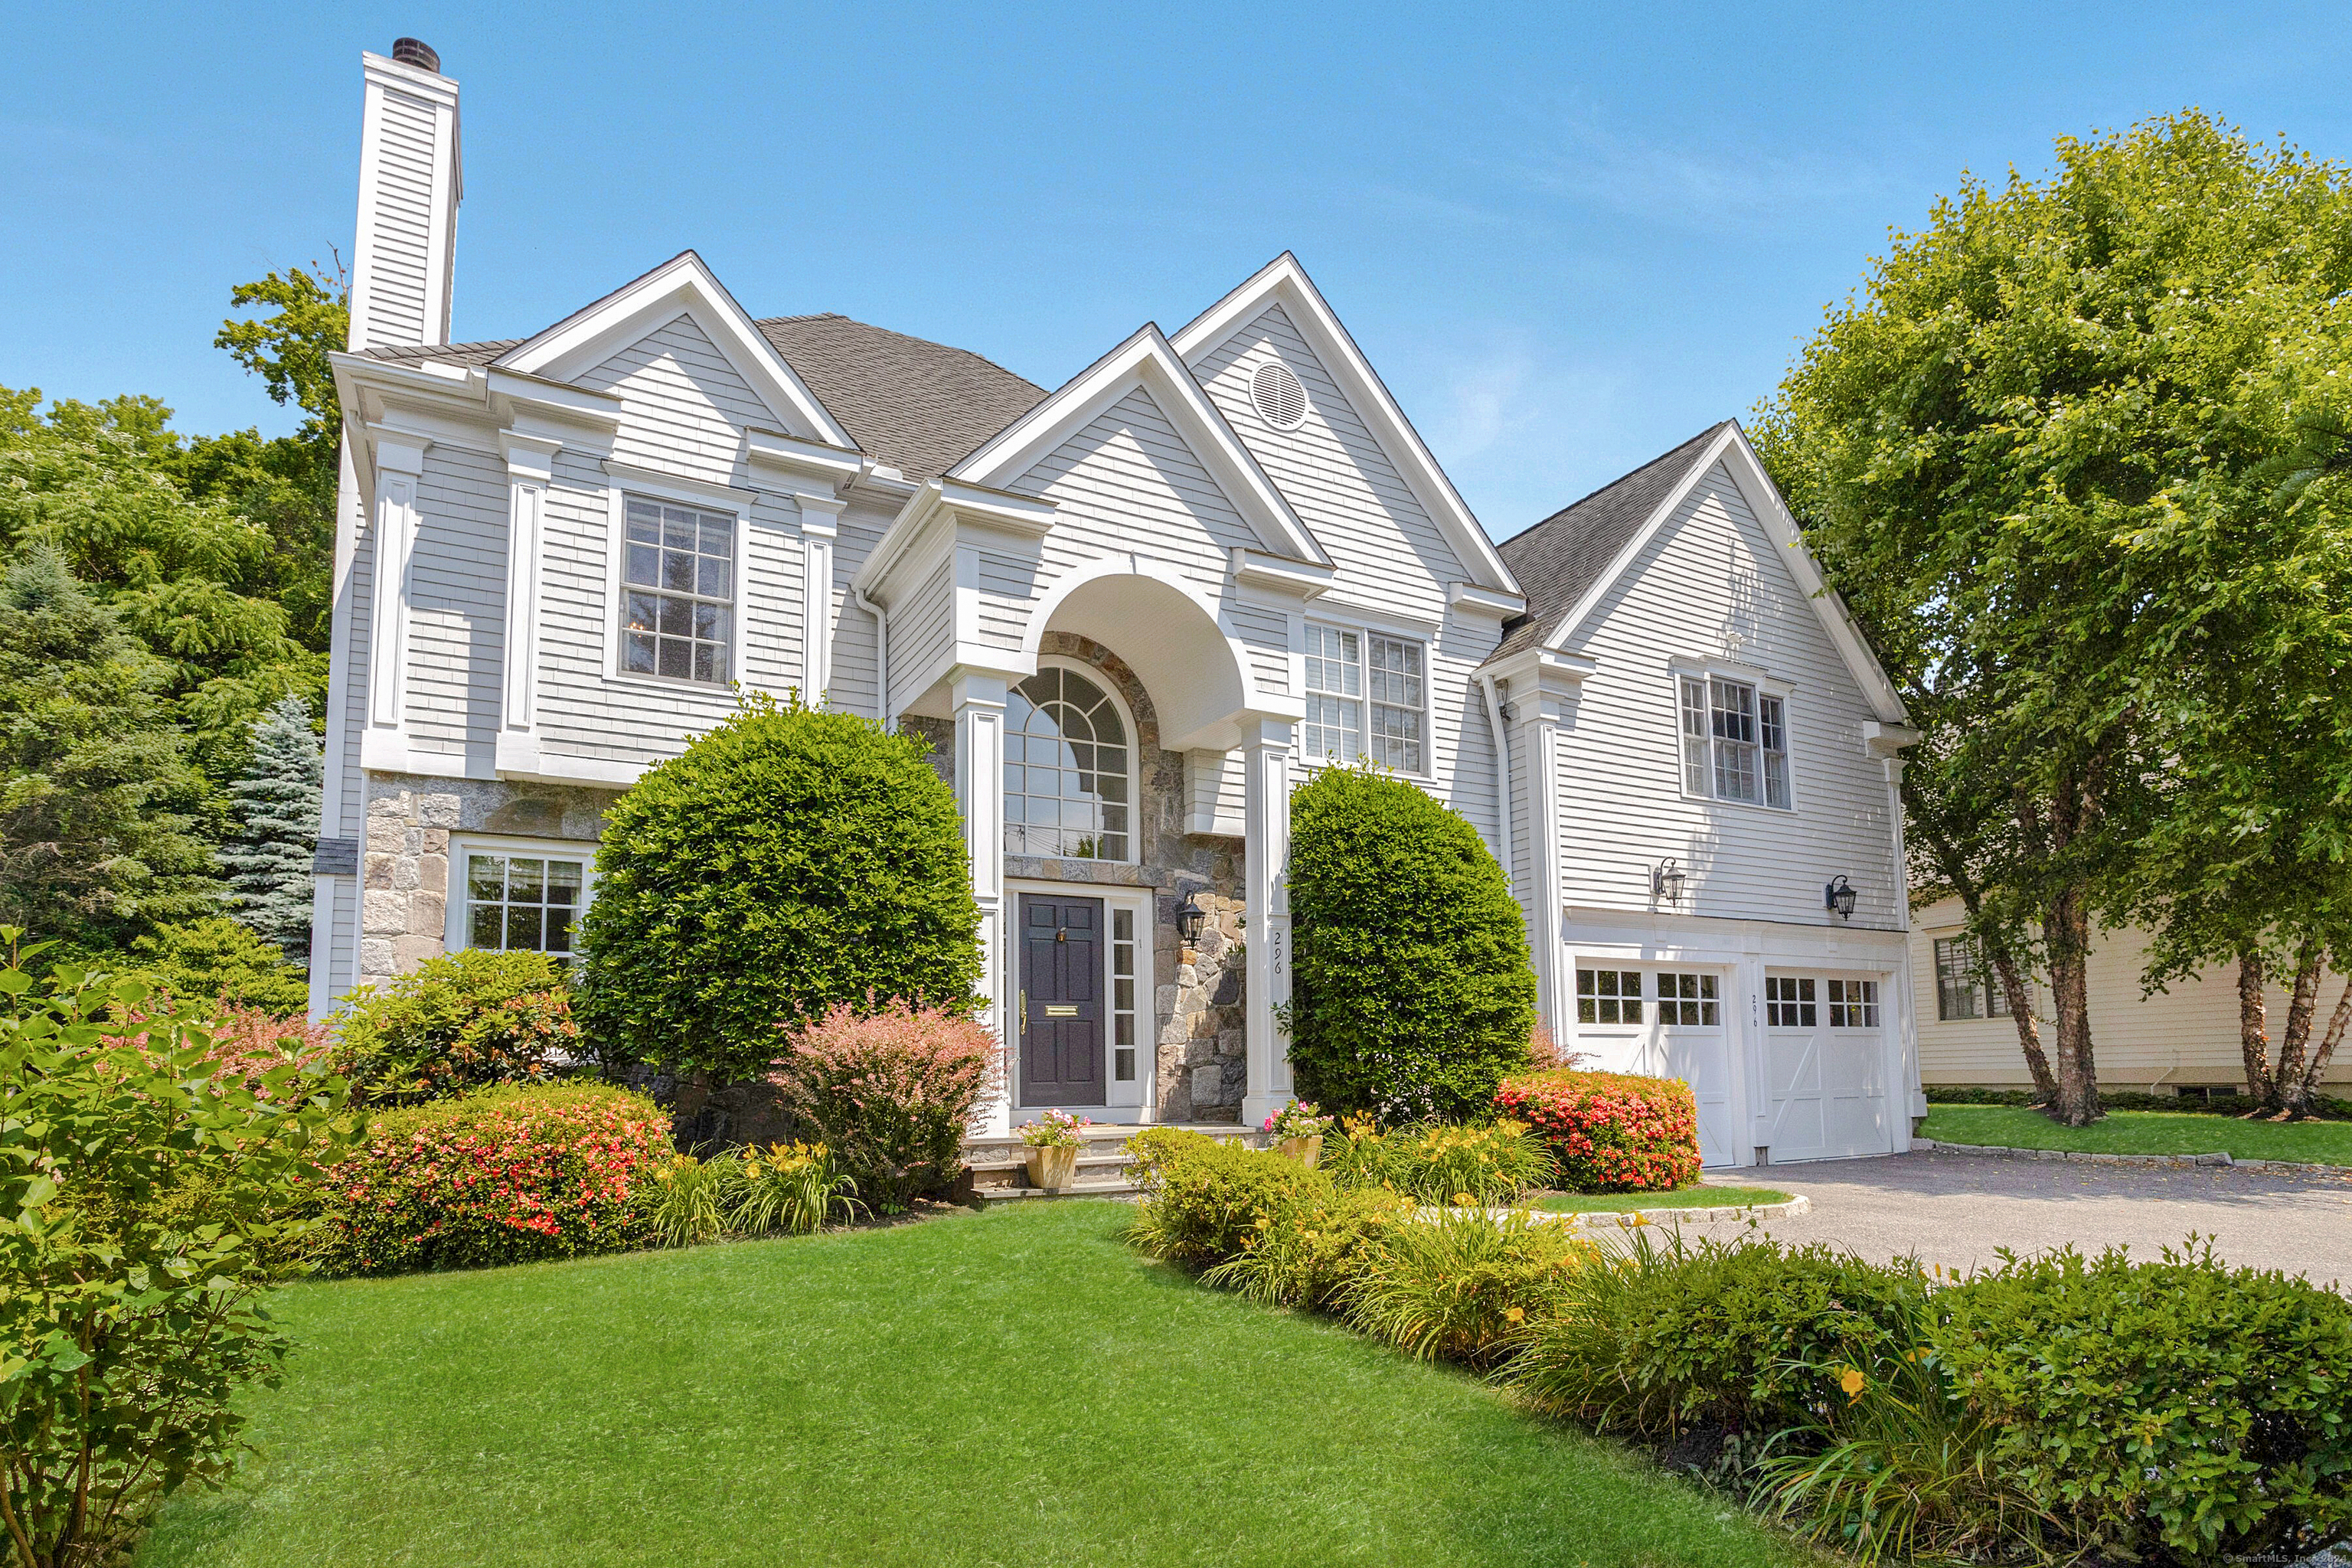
912,404
1560,559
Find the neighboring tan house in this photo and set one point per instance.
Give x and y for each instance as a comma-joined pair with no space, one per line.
2182,1037
1128,615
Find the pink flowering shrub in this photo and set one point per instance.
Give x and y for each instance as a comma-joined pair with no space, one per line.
246,1041
1607,1131
892,1093
515,1173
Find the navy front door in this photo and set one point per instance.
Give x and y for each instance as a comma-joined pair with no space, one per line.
1061,1000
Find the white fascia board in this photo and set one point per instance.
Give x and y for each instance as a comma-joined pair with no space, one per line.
947,503
1285,282
1544,669
512,394
1469,599
680,286
830,469
1582,609
1148,360
1296,579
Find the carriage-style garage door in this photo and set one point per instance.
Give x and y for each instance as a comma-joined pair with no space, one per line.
1669,1021
1826,1067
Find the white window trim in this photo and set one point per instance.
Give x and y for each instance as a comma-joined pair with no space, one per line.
617,530
1137,1098
1364,631
1108,688
457,929
1765,686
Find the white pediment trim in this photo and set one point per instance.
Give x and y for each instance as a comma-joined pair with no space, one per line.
1283,281
682,286
1147,360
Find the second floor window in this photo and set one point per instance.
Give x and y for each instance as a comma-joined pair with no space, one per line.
1366,696
677,575
1735,742
1066,769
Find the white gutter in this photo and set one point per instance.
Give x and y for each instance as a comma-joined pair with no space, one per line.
881,655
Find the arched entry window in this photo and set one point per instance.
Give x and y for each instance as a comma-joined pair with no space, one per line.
1067,769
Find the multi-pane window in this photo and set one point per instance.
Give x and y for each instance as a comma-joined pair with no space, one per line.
1065,769
1853,1004
521,903
1735,742
1366,696
1122,996
1965,987
677,574
1789,1002
1688,999
1608,995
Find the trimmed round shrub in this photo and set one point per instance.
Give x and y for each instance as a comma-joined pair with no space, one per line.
456,1021
1412,992
792,860
1608,1131
891,1094
513,1174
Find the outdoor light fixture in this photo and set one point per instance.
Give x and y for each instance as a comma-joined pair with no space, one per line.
1189,919
1667,882
1838,897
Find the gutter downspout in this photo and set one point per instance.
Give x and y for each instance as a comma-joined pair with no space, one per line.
881,656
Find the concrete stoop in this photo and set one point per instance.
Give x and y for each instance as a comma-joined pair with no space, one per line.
999,1165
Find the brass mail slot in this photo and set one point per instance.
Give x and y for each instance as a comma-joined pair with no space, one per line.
1061,1010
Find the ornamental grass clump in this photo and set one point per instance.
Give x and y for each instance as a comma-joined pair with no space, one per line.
688,1200
790,1189
1485,1164
1608,1132
891,1091
1308,1249
1460,1285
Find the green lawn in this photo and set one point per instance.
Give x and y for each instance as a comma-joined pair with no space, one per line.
2145,1133
1009,1387
1695,1197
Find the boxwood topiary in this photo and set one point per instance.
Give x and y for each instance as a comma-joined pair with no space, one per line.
1413,992
791,859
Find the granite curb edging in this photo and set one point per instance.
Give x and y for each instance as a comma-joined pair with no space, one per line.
2163,1162
1628,1219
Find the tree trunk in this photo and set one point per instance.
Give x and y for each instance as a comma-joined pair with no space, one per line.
2304,1091
2021,1013
2288,1078
2254,1031
2067,927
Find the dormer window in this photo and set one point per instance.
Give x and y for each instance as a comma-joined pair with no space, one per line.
1735,742
677,575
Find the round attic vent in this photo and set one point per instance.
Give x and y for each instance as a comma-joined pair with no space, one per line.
1281,401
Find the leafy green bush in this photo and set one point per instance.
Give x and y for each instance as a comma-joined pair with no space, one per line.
1460,1285
147,1193
1487,1165
1311,1248
1413,992
511,1173
1607,1131
2177,1408
792,861
220,959
456,1021
892,1094
1209,1199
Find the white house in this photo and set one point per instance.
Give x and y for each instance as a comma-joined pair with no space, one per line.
1126,613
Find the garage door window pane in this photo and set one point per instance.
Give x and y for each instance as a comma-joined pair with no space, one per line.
1608,995
1689,999
1790,1002
1853,1004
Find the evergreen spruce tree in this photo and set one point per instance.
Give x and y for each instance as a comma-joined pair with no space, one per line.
275,806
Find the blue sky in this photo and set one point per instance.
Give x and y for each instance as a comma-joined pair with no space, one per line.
1569,236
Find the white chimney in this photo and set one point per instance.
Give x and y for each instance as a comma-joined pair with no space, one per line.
410,183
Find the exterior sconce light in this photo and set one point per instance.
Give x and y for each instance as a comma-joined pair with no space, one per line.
1667,882
1190,917
1838,897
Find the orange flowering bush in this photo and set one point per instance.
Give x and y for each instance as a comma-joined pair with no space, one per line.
1608,1132
515,1173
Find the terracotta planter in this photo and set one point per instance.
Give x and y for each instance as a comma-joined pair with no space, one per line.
1305,1151
1054,1169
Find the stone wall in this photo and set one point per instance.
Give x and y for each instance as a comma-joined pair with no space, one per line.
406,875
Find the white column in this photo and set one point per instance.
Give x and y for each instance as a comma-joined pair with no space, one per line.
531,461
399,468
819,524
1266,972
979,698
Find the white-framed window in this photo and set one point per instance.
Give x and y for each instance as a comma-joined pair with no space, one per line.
678,591
1123,982
1608,995
1367,695
1689,1000
1735,742
1853,1004
1068,769
1966,986
1790,1002
519,898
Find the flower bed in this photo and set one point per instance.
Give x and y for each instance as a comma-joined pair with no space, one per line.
1609,1132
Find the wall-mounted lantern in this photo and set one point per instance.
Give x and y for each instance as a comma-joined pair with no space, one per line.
1190,917
1838,897
1667,882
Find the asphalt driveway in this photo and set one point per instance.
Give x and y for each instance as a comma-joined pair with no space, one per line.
1956,1209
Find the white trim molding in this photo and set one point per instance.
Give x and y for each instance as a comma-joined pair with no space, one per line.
399,477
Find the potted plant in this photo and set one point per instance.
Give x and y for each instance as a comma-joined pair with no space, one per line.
1053,1140
1299,1133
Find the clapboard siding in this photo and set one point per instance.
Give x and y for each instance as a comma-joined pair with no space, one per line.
685,405
457,604
1266,634
1007,584
1334,474
2187,1033
400,241
856,681
922,630
1712,584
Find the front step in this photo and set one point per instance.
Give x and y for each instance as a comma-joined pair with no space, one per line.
999,1167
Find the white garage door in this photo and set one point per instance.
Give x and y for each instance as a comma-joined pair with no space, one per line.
1825,1066
1671,1022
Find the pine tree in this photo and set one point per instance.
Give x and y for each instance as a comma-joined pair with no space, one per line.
274,805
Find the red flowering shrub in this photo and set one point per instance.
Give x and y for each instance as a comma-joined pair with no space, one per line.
891,1093
515,1173
1609,1132
247,1042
